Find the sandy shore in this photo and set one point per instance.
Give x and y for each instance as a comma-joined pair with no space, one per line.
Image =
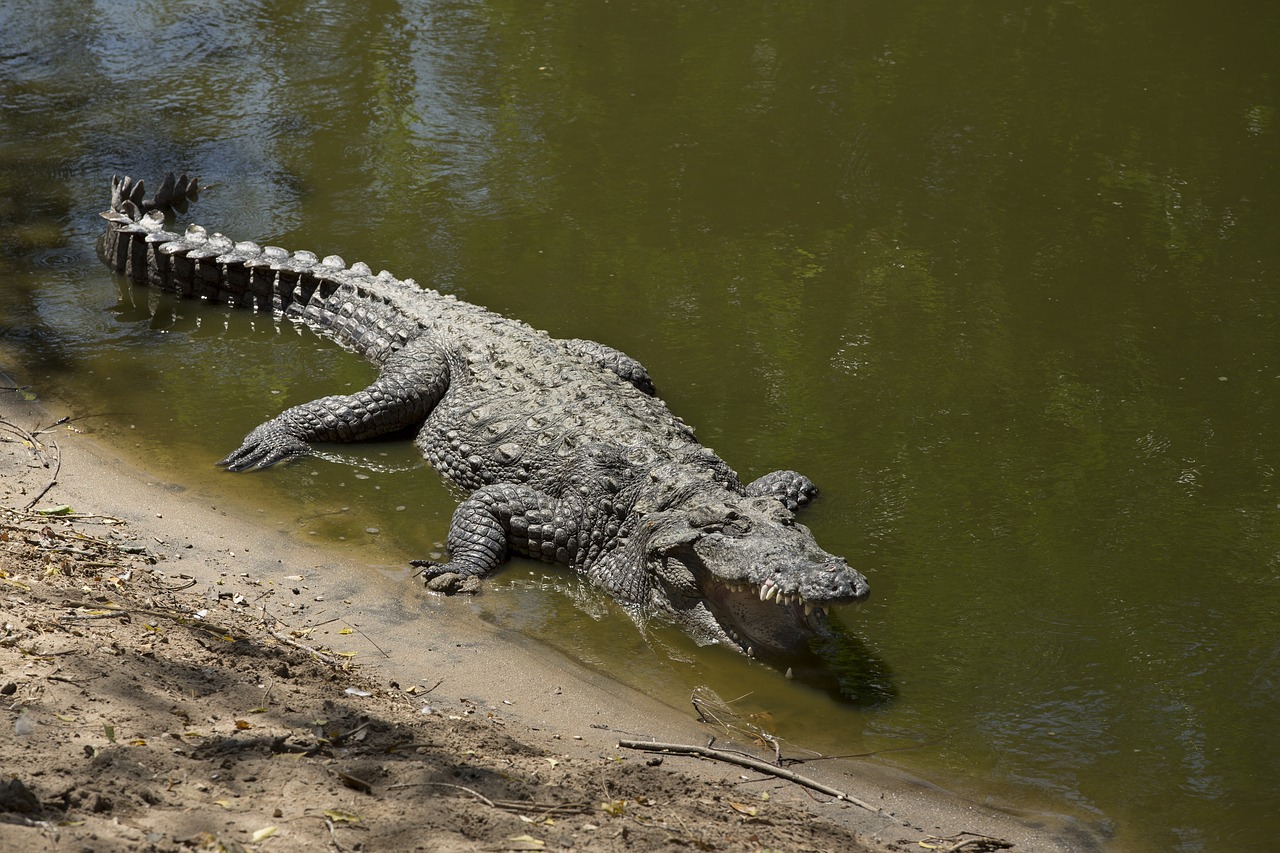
163,691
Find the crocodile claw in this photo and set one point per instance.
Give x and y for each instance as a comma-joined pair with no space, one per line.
440,578
264,447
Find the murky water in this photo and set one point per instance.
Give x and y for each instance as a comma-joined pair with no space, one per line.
1000,277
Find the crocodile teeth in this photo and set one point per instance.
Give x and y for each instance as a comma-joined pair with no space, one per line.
764,593
808,608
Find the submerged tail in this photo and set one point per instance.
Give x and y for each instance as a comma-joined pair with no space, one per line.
352,305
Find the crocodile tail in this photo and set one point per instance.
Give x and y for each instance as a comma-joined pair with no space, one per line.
128,195
352,305
133,217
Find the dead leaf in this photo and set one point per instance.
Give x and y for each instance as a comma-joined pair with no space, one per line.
524,842
743,808
339,816
265,832
614,808
243,724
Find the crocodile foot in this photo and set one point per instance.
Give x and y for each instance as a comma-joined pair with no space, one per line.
268,444
440,578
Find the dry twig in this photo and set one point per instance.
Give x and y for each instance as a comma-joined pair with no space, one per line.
752,763
543,809
715,711
190,620
323,657
979,843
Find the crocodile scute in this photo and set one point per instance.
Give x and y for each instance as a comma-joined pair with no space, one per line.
567,453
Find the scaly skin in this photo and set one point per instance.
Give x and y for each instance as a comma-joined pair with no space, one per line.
568,454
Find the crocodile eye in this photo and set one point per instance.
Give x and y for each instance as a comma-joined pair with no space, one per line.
719,519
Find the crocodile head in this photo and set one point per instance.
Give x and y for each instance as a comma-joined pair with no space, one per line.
743,572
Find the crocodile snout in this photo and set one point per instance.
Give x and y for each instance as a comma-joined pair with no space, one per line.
838,581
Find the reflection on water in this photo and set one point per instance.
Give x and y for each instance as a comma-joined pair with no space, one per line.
997,276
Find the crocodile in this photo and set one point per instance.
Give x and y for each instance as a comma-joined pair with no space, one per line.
563,448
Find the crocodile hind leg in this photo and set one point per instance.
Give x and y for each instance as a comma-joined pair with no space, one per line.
793,489
411,382
497,520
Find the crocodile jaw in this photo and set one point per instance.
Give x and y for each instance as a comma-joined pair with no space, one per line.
760,620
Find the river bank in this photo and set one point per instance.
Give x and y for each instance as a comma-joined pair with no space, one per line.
170,684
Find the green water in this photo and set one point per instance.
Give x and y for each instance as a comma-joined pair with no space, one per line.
1001,277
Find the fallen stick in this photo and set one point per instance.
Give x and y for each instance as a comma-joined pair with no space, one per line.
506,805
189,620
36,447
53,481
985,842
756,764
323,657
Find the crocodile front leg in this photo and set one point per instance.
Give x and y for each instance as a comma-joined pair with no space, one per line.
615,360
499,519
412,381
793,489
